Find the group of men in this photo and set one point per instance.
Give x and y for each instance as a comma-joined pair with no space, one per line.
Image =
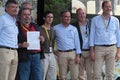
81,46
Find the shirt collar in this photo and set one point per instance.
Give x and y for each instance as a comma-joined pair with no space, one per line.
10,17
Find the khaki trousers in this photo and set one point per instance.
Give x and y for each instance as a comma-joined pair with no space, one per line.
86,64
8,64
107,55
66,62
49,67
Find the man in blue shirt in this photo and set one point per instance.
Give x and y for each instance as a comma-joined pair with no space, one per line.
68,47
104,35
8,42
83,26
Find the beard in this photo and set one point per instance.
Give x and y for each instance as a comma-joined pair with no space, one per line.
26,22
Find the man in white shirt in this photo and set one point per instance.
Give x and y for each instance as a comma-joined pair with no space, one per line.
104,38
8,42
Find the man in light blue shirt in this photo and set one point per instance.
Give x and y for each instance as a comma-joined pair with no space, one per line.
83,26
68,47
104,35
8,42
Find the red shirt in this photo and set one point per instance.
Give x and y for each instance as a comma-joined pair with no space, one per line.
25,29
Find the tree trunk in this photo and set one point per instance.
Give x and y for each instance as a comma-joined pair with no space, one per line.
40,12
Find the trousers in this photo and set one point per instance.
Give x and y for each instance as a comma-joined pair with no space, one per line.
66,62
107,55
8,64
86,64
49,67
31,69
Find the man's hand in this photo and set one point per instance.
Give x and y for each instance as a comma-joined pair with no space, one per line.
42,39
56,52
117,54
77,58
25,44
92,53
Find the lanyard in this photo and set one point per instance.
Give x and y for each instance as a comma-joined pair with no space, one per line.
48,36
106,26
84,31
24,28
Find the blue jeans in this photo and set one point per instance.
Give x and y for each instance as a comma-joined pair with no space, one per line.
31,69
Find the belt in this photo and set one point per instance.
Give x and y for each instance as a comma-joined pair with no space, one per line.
105,45
33,53
48,52
67,50
8,48
85,49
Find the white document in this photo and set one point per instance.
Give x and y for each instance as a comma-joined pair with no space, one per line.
33,40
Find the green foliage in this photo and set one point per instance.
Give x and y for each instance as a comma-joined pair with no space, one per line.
56,6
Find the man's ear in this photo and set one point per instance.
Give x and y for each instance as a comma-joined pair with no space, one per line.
43,18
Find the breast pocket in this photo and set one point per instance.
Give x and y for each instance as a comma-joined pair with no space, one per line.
11,29
112,27
70,34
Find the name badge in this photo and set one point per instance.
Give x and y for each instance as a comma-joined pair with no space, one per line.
50,48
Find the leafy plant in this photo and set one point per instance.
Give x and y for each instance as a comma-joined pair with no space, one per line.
56,6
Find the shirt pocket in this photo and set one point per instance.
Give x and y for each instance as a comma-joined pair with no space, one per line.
10,29
112,26
70,34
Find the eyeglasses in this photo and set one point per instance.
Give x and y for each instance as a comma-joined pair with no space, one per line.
49,17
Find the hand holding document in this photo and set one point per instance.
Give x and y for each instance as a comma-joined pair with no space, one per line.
33,40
